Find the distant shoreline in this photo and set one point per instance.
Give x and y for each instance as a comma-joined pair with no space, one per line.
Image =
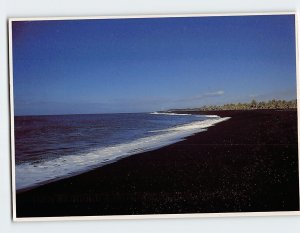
253,105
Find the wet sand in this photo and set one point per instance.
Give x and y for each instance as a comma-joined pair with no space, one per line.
246,164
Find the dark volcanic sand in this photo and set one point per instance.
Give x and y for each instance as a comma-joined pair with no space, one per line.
248,163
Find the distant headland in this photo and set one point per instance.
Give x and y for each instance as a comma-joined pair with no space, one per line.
271,104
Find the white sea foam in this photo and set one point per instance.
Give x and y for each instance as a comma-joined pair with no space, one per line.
38,173
195,125
210,116
183,114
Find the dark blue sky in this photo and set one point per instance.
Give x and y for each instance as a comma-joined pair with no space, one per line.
138,65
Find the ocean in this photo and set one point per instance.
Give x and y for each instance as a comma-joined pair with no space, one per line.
49,148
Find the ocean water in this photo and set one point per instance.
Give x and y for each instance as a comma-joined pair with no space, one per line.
49,148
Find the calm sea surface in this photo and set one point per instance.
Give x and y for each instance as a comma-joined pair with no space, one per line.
48,148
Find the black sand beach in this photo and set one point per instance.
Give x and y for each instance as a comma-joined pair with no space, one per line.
248,163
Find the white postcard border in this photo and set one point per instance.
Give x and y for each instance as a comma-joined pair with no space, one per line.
146,216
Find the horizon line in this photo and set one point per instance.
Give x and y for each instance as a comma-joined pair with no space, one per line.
170,109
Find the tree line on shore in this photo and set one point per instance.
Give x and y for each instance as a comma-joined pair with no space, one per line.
271,104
